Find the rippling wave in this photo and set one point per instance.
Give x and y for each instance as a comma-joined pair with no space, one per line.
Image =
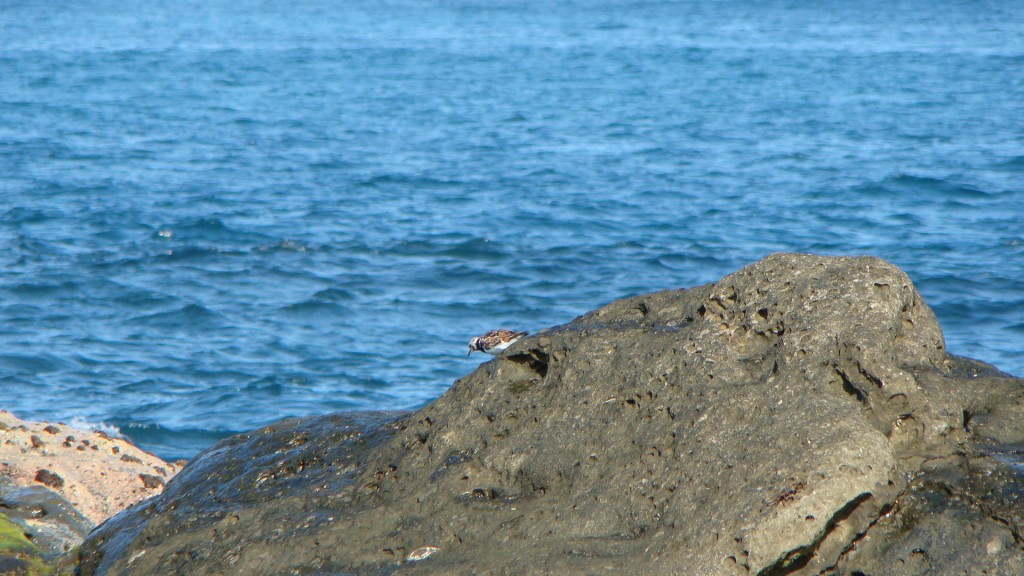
211,221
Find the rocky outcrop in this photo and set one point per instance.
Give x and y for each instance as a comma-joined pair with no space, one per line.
100,475
800,416
57,482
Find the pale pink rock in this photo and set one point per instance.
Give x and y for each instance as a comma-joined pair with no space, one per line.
98,474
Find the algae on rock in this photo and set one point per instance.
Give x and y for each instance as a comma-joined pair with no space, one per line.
18,555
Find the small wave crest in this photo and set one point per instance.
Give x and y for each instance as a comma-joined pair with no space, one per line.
1015,164
316,309
189,316
913,184
172,443
80,423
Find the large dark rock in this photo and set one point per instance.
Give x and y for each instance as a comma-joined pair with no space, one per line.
800,416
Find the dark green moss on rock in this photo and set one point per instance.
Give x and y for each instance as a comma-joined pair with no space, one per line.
18,555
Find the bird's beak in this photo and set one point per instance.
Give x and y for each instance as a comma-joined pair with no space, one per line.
469,353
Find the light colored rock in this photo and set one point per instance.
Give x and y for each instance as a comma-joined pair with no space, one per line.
98,474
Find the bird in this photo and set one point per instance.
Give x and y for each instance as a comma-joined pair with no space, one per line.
494,341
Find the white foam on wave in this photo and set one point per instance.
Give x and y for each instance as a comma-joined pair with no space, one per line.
80,423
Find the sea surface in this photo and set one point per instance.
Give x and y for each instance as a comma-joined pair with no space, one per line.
215,214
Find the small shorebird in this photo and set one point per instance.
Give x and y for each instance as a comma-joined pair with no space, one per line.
494,341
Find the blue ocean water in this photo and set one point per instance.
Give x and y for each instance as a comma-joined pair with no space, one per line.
215,214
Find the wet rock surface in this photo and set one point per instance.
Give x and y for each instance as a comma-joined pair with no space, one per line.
46,519
800,416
